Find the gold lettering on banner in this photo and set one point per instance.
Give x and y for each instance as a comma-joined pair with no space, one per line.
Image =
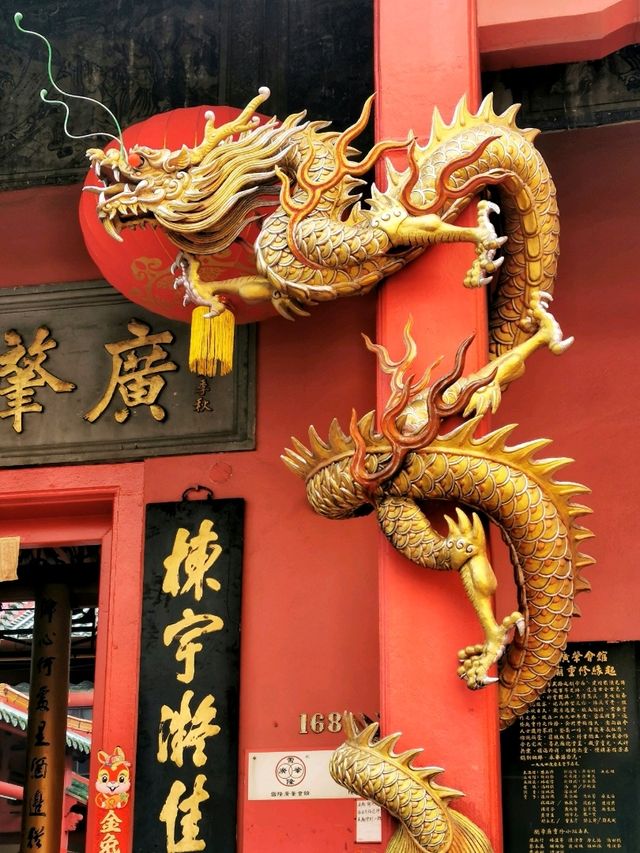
22,371
190,807
110,822
109,844
196,555
180,730
136,375
187,631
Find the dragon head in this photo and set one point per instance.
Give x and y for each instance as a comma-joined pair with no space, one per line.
203,196
135,183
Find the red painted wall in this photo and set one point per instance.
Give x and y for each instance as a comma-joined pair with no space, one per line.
543,32
40,239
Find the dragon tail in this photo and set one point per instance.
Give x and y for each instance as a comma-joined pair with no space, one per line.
467,838
371,769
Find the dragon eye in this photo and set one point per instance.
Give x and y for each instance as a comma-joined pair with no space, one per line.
135,160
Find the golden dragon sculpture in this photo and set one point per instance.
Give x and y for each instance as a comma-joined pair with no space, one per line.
409,461
320,242
369,767
392,472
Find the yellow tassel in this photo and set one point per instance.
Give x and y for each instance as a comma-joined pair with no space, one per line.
211,343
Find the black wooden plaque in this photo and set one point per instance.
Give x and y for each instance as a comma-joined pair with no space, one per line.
570,765
313,54
185,770
199,416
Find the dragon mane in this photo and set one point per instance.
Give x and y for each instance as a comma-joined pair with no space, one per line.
228,187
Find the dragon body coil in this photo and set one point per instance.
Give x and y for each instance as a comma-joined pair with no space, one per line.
534,512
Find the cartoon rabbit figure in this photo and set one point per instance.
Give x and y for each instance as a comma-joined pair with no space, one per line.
114,780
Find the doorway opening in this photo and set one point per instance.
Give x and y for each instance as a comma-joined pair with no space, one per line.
32,663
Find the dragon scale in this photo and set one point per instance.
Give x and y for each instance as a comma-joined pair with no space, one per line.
527,201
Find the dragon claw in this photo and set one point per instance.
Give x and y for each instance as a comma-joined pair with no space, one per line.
538,315
487,242
475,661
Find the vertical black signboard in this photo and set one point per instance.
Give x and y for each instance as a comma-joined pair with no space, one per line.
187,757
570,766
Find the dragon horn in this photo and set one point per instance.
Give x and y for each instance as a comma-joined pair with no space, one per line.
214,135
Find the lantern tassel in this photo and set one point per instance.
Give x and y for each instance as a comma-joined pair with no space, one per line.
211,343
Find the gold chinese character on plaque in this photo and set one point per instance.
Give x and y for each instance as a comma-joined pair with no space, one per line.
195,555
190,807
136,365
22,371
187,630
180,730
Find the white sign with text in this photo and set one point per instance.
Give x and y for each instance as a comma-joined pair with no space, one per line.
368,821
295,775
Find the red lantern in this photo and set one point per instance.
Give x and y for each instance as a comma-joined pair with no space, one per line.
140,266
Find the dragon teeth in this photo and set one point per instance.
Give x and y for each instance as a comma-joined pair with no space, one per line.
111,229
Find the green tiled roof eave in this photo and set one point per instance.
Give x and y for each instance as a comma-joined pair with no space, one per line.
15,718
78,743
18,719
79,788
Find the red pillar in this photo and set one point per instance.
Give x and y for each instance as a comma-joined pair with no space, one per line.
426,55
